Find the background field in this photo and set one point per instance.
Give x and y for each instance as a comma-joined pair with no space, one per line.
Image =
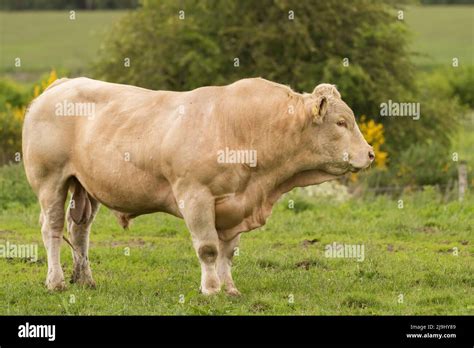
70,44
440,34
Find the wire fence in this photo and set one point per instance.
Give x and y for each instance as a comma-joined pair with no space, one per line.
457,187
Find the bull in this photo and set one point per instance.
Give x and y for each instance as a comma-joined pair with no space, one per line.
139,151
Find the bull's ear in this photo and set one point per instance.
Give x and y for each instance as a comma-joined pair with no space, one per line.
318,108
327,89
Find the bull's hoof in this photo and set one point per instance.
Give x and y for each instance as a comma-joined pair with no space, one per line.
55,283
209,291
85,282
56,287
84,278
210,285
233,292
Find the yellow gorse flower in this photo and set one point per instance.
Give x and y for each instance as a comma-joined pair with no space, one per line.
374,134
38,89
19,113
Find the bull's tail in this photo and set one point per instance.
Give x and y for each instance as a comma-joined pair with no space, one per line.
80,208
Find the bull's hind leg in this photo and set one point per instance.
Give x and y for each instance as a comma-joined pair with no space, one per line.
79,234
227,251
52,198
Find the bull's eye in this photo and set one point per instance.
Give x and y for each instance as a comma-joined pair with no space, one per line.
342,123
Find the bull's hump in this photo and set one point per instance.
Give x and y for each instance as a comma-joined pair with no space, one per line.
261,84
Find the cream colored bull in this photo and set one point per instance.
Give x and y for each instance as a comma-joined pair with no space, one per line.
139,151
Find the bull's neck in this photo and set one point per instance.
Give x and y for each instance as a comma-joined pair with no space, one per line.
284,165
293,165
283,154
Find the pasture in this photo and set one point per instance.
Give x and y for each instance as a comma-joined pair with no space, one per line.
422,251
52,40
439,33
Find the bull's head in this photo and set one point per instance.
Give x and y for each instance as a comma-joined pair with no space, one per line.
337,145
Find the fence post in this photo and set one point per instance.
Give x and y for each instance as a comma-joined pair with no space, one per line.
462,172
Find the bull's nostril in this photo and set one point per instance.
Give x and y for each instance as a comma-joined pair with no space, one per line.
371,155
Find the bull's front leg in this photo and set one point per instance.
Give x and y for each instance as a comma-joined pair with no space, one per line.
198,209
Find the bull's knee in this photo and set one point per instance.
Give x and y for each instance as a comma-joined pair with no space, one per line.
208,253
210,283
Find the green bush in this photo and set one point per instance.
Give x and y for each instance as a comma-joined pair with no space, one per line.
440,113
13,100
418,165
12,94
14,188
11,121
427,164
462,82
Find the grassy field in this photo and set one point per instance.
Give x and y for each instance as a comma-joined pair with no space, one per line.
441,33
49,39
409,251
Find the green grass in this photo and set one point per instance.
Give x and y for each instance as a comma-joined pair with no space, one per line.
441,33
49,39
408,251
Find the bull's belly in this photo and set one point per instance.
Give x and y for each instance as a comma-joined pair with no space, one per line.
144,195
136,187
133,193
